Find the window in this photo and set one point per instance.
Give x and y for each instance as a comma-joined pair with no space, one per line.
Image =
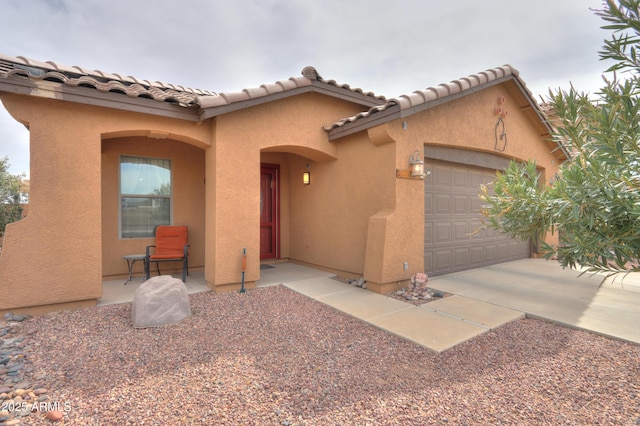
145,195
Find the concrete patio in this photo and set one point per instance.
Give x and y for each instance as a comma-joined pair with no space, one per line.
115,291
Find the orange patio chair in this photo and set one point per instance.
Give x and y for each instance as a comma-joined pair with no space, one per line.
171,246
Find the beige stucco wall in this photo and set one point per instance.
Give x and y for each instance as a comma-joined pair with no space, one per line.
395,232
356,217
288,132
470,122
54,256
353,189
396,235
325,224
54,253
331,215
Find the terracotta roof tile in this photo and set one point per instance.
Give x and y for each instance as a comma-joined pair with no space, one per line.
247,94
274,88
256,92
360,115
464,83
436,93
309,76
75,76
287,84
231,97
104,82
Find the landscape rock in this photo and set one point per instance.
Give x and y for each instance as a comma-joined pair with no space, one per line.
417,291
10,316
418,283
160,301
54,415
19,317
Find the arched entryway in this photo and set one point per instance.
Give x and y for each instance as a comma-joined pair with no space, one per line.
176,197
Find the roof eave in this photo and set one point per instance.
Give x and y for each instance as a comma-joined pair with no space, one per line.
407,112
315,87
53,90
394,112
346,94
541,116
208,112
389,114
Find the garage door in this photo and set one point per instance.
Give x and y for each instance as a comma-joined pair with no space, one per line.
453,238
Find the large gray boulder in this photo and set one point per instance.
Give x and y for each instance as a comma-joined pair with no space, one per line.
160,301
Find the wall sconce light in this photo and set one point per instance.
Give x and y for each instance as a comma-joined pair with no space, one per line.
306,176
416,164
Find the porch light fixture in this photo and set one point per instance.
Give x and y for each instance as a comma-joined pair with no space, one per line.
306,176
416,167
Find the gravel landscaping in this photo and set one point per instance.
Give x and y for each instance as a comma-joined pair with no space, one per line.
274,357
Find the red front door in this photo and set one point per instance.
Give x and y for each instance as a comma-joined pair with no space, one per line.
269,217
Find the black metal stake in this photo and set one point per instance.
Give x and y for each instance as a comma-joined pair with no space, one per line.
244,268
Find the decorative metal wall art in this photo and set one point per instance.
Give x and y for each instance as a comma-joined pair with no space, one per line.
500,130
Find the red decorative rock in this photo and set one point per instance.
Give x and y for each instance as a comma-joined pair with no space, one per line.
54,415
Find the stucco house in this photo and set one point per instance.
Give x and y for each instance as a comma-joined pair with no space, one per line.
112,156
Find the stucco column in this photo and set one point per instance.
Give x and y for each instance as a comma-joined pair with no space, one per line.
233,208
210,216
395,235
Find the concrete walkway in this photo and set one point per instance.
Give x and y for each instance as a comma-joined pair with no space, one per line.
437,325
489,297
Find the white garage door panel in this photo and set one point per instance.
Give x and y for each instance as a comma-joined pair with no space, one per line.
453,238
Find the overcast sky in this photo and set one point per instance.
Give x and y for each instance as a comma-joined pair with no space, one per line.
387,47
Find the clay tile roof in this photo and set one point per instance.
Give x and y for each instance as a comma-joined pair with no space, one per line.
104,82
76,76
434,94
310,77
360,115
227,98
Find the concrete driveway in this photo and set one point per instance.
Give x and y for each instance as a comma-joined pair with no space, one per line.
542,289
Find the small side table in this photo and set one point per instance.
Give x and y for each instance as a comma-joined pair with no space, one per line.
131,260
